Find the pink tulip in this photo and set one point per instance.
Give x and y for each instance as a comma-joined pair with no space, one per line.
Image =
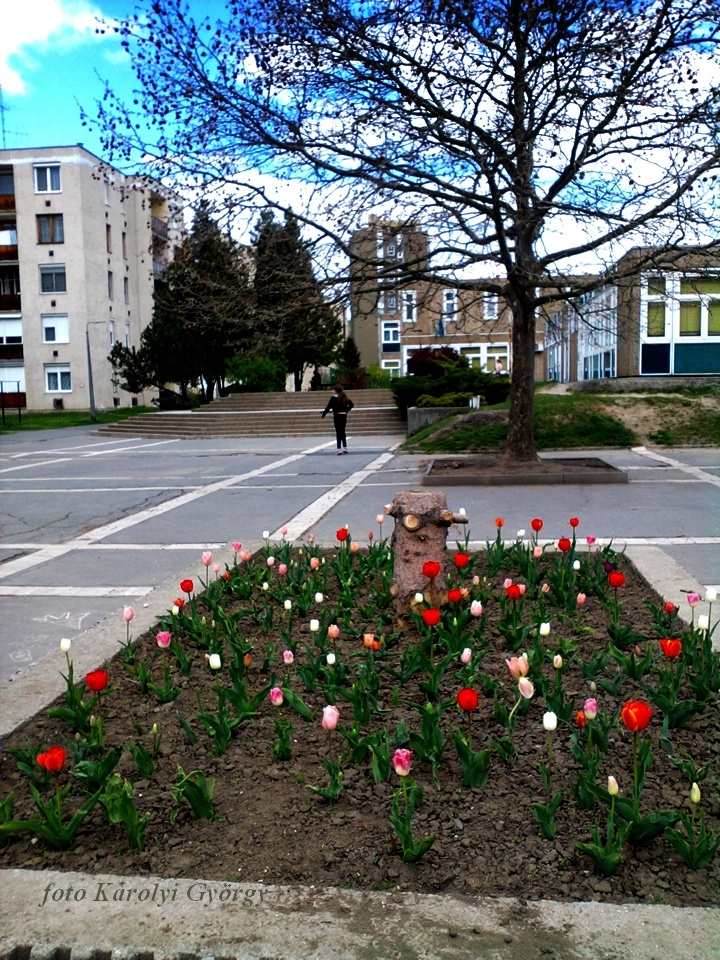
590,708
311,538
526,688
466,655
330,717
354,547
276,697
401,762
581,598
163,639
271,561
545,588
590,540
518,666
236,545
314,563
476,608
283,531
288,657
206,558
537,552
128,614
333,631
693,598
523,588
282,569
216,568
507,583
380,518
245,555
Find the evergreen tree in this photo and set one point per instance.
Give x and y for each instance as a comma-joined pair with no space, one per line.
290,309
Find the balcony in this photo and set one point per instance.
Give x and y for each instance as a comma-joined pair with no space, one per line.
7,202
11,351
8,252
159,269
159,227
9,302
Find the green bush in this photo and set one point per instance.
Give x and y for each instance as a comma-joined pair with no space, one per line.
446,400
435,362
492,388
256,374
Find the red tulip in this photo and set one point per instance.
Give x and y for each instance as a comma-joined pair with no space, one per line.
187,586
514,591
536,524
431,617
431,568
574,522
499,522
341,534
96,680
179,603
580,719
636,715
671,648
616,579
669,607
468,699
53,760
461,560
564,544
454,596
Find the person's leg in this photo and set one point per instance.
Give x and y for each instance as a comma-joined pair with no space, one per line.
339,432
342,439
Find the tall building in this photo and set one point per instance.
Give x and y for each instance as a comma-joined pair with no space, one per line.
81,246
391,317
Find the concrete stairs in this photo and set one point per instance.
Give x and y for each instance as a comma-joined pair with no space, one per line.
267,415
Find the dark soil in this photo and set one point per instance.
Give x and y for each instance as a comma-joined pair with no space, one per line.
494,471
272,829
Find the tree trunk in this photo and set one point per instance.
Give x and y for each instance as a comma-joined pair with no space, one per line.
422,519
520,443
298,375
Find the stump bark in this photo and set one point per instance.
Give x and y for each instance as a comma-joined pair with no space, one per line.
422,520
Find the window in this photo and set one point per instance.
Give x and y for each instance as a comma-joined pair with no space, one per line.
409,306
11,330
390,331
50,228
127,335
47,178
490,306
58,378
111,326
700,307
381,302
123,240
126,290
9,281
496,358
52,278
391,301
108,238
449,305
55,328
391,367
8,234
106,190
110,285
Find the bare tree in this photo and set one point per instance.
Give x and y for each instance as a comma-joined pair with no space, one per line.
523,135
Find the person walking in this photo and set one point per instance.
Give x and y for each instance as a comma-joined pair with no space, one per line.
341,405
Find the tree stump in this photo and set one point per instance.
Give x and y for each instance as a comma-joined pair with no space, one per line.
422,519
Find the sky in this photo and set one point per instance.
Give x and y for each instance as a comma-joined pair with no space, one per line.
51,62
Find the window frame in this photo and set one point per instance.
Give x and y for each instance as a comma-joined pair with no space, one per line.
449,296
52,269
53,219
47,167
59,370
491,307
408,300
58,321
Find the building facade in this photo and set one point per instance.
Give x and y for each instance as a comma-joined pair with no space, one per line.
662,320
81,245
391,318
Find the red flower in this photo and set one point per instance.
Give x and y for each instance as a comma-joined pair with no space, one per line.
187,586
179,603
341,534
370,534
499,522
96,680
580,719
564,544
671,648
536,524
574,522
52,760
636,715
461,560
669,607
467,699
226,575
616,579
454,596
431,568
513,591
431,617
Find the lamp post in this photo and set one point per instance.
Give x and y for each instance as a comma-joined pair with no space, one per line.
91,391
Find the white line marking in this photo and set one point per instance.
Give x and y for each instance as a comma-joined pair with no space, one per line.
29,466
119,546
74,592
140,446
68,490
308,517
117,526
679,465
669,480
82,446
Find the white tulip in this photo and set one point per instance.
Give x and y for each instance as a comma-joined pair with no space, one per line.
214,661
557,661
319,597
710,595
314,626
65,644
544,630
520,534
266,585
419,598
266,534
703,621
288,604
330,659
550,721
576,564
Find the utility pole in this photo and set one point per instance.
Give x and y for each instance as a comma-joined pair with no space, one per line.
3,111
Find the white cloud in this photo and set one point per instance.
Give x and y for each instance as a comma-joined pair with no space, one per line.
32,24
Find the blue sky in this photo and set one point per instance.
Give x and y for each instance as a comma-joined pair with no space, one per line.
50,58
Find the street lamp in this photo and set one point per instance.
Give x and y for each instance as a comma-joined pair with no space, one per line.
91,391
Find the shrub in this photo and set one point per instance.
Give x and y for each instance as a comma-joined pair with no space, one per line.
446,400
408,390
256,374
435,362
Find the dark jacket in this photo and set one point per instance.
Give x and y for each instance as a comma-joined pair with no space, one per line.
338,409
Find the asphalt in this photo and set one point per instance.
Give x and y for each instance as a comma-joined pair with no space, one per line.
86,534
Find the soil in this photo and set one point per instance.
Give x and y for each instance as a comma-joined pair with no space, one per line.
271,828
650,415
492,471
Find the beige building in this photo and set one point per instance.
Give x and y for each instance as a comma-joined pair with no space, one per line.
80,247
391,319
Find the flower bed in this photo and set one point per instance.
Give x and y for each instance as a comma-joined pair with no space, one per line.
537,733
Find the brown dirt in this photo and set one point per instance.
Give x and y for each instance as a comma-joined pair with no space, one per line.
270,828
649,414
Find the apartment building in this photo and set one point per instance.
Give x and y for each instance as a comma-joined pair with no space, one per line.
391,315
662,320
81,246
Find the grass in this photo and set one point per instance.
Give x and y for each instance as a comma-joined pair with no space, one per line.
561,422
57,419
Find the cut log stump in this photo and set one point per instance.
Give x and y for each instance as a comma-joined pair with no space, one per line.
422,520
